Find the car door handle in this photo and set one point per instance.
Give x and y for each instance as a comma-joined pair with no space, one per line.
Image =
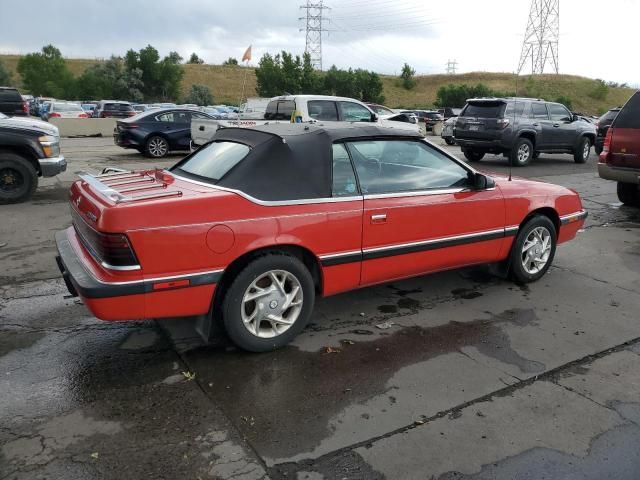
536,124
380,218
556,125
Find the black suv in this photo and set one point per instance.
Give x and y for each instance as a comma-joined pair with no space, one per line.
113,109
521,129
602,125
11,102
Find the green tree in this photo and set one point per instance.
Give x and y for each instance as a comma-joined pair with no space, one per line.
600,91
46,73
6,78
195,59
407,74
310,81
159,79
110,79
566,101
200,95
230,62
269,76
369,86
456,96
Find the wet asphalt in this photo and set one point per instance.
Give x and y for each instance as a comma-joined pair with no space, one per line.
458,375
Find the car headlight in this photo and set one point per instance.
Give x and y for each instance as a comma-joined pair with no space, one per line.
50,145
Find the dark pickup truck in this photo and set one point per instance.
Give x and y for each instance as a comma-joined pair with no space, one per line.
521,129
28,149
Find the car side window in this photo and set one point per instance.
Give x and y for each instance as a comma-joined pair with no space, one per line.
352,112
518,108
559,113
344,179
396,166
165,117
323,110
539,111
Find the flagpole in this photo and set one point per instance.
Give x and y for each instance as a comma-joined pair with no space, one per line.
244,82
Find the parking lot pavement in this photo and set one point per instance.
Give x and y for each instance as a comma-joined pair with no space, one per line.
455,375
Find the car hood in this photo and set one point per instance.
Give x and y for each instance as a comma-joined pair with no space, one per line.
30,124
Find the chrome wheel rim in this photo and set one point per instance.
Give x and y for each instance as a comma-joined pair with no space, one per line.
272,304
536,250
523,153
586,150
158,147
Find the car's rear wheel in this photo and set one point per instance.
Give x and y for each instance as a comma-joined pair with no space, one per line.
18,178
581,155
268,303
473,155
522,152
157,147
629,194
533,250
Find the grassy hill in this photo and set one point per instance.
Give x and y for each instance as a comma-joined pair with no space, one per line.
226,85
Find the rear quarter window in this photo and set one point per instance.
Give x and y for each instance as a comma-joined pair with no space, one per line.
10,96
629,116
214,161
280,110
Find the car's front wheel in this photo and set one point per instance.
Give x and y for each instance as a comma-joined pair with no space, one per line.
533,250
18,178
449,141
629,194
268,303
473,155
157,146
581,155
522,152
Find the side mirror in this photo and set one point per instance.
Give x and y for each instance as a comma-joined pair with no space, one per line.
374,117
482,182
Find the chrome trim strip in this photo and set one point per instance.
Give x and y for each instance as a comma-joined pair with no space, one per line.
579,215
434,241
155,279
123,268
509,231
419,193
339,255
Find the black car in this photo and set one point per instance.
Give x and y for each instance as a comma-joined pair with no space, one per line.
157,132
113,109
11,102
602,125
428,117
448,112
521,129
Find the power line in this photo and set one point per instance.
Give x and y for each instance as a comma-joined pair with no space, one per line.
314,29
540,45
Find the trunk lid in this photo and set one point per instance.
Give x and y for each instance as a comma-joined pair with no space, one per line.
624,148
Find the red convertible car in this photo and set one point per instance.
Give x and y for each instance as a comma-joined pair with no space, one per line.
251,227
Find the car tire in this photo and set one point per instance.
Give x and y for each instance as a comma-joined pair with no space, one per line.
521,153
264,275
530,249
18,178
581,155
449,141
473,155
156,147
629,194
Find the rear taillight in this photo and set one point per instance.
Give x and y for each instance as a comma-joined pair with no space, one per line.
83,115
105,114
128,126
503,122
111,250
606,147
131,114
25,108
54,115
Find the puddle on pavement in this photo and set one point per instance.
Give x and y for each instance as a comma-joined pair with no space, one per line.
283,400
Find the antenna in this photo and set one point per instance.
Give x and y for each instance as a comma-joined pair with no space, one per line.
540,44
314,29
515,106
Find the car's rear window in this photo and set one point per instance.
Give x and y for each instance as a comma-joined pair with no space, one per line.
67,107
629,116
483,110
213,161
279,110
123,107
609,116
10,96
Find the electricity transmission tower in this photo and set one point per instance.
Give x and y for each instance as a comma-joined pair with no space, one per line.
314,29
451,67
540,45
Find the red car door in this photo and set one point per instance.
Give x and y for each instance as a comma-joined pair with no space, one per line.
420,212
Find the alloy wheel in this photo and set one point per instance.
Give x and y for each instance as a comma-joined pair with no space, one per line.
536,250
272,303
523,153
158,147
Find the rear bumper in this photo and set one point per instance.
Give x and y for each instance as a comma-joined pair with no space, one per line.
157,297
624,175
494,145
50,167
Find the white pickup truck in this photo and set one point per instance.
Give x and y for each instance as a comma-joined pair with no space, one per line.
304,109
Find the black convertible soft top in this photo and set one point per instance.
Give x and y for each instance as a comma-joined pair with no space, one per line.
292,161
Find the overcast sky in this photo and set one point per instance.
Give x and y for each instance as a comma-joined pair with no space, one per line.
597,39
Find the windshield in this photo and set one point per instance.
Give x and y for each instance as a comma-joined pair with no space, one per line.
213,161
67,107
